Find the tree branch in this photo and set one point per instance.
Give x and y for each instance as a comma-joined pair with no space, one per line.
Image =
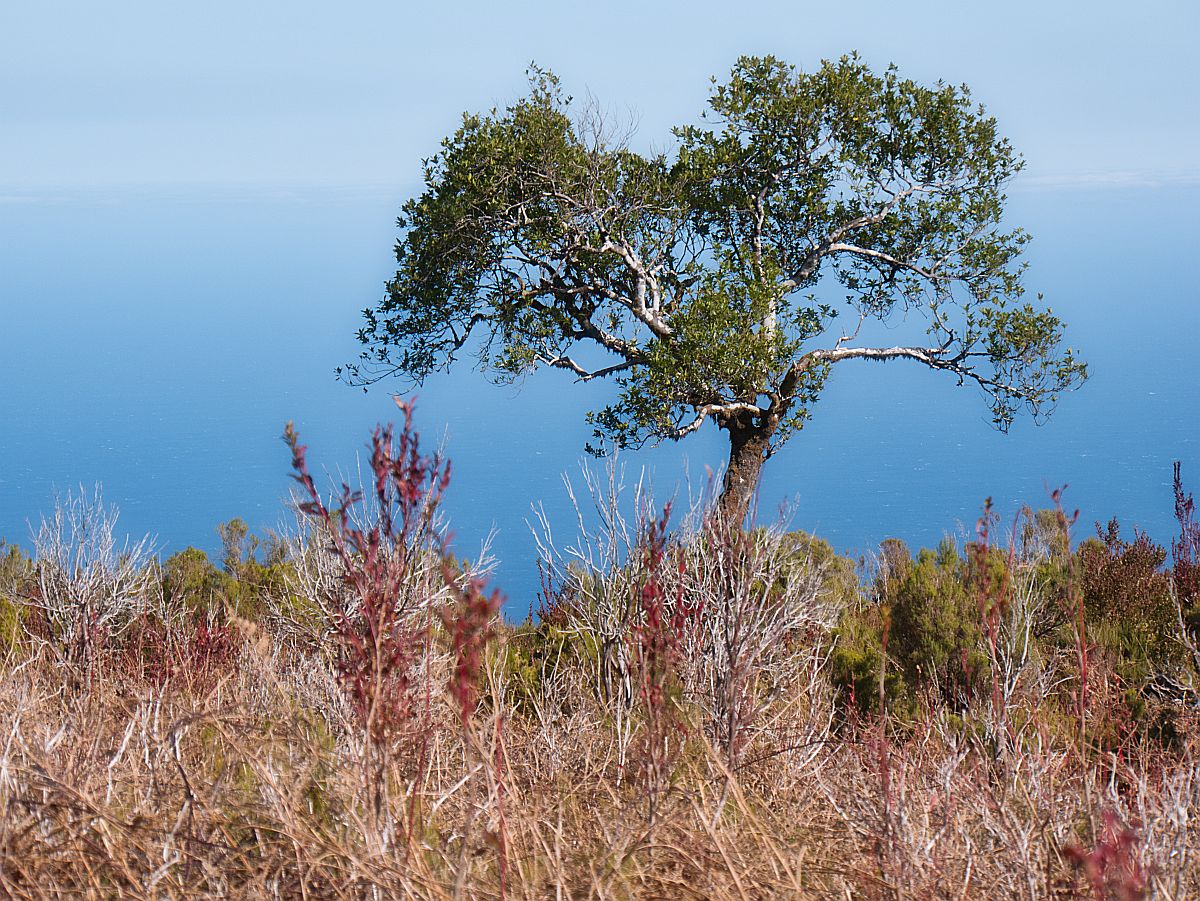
933,357
564,362
706,410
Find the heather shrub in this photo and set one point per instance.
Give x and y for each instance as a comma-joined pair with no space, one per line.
16,570
937,635
397,606
16,586
380,603
858,662
725,631
190,580
12,622
252,583
925,617
1128,604
535,654
1046,551
799,555
193,652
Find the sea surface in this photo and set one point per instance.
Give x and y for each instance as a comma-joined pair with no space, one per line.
157,342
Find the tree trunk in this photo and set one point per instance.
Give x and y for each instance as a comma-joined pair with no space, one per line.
748,448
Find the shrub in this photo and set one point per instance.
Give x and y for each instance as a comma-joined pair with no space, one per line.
1185,550
395,578
89,587
859,660
926,617
194,652
380,636
16,585
1127,600
189,579
936,632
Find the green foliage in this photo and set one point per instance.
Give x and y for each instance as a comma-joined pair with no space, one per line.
242,586
803,552
924,630
535,652
858,662
691,276
1128,605
923,626
936,625
1123,581
191,579
250,582
16,570
12,622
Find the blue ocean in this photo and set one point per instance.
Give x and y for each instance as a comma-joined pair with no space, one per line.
157,342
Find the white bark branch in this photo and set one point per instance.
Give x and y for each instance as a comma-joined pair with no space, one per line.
707,410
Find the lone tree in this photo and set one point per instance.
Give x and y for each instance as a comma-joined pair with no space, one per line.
690,277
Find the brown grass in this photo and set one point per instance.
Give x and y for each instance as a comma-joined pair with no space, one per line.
243,770
111,788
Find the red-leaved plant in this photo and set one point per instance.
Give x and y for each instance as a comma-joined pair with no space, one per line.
196,653
471,622
395,578
381,633
655,637
1111,866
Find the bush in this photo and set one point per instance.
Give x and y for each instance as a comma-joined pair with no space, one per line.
1127,601
924,626
189,579
936,627
857,660
16,584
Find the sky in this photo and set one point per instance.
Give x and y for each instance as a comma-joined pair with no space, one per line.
272,96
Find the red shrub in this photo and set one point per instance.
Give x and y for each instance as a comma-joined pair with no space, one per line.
380,640
1111,867
471,623
195,654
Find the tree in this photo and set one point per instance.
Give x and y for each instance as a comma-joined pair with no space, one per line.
690,277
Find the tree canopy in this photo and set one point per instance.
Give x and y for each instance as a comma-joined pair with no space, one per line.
700,279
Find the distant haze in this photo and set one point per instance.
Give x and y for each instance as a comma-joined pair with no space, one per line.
302,94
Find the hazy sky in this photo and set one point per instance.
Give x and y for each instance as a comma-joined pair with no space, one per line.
298,94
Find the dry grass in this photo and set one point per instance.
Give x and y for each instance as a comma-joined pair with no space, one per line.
244,771
114,788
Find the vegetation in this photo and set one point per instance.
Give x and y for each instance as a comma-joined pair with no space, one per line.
698,712
708,281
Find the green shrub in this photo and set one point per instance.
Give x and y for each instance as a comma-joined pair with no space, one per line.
12,623
252,583
840,574
924,625
16,583
857,660
534,652
937,636
190,579
242,586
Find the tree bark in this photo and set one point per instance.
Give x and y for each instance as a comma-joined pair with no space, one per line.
749,446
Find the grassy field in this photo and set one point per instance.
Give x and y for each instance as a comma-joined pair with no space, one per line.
701,713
